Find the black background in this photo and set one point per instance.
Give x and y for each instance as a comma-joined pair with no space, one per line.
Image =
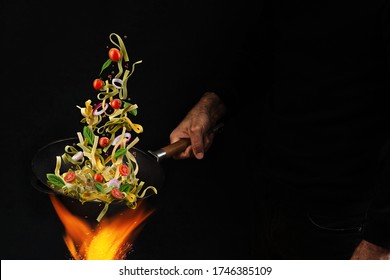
53,52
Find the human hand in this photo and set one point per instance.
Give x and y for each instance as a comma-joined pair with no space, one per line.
369,251
197,124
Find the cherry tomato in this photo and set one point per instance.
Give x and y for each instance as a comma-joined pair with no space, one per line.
98,84
98,177
69,176
116,103
124,170
117,193
114,54
104,142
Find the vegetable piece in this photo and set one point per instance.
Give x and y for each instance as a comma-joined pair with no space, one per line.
77,156
104,142
113,183
96,112
116,103
120,152
98,84
117,83
57,181
114,54
117,193
105,65
99,187
98,177
88,134
127,136
124,170
125,188
69,176
133,112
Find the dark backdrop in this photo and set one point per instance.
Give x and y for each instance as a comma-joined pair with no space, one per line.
53,51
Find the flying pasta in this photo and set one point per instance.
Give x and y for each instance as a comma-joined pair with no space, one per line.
102,166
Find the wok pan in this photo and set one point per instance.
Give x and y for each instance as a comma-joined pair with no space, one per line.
150,171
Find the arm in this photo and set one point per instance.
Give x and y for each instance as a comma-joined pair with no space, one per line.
369,251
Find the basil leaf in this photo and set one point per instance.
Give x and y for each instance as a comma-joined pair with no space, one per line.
105,65
133,112
88,134
126,104
125,188
120,152
55,180
99,187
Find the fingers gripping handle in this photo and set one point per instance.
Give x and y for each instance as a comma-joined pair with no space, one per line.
179,146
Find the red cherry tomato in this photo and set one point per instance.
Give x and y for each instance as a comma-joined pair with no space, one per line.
116,103
104,142
69,176
117,193
114,54
98,84
98,177
124,170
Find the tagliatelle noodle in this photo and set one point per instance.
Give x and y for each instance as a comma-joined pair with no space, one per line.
67,156
145,190
95,142
131,158
120,45
110,91
58,166
127,74
136,127
103,212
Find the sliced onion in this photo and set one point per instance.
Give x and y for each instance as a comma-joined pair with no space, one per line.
127,136
113,183
77,156
95,110
116,80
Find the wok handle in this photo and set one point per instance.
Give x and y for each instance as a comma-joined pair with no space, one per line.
171,149
177,147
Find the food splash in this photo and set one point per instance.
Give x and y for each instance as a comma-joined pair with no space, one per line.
100,165
110,240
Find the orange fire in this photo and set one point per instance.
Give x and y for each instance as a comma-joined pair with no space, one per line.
110,240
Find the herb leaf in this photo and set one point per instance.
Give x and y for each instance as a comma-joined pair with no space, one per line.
105,65
55,180
133,112
99,187
125,188
88,134
120,152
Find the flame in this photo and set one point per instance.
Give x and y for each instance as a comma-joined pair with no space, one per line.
110,240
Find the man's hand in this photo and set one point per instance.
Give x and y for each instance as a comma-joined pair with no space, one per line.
197,124
368,251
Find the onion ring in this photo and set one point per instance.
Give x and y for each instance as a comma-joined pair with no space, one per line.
127,136
116,80
96,112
